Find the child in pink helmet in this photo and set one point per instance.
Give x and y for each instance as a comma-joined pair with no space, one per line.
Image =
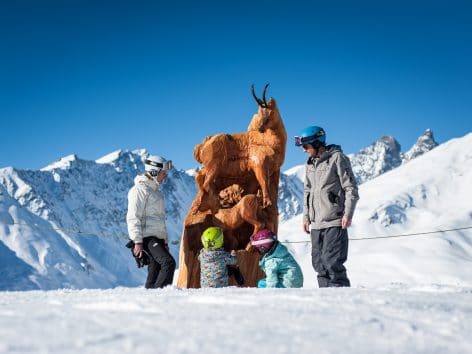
281,269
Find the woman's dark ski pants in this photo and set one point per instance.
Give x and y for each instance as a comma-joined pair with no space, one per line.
161,266
328,254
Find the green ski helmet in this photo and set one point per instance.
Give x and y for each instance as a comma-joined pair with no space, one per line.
212,238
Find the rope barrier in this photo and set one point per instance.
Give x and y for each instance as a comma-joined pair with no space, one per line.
413,234
393,236
306,241
66,230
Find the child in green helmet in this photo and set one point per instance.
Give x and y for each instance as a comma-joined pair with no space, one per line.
214,260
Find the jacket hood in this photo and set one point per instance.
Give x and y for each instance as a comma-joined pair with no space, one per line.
333,148
330,151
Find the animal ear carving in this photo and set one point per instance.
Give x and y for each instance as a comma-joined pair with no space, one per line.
271,104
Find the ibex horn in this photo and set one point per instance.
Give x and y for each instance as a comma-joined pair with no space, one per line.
263,94
260,102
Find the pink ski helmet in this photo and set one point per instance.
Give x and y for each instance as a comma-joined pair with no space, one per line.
263,240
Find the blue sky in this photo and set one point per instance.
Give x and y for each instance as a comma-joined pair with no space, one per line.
91,77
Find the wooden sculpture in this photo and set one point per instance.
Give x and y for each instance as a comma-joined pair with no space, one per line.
237,191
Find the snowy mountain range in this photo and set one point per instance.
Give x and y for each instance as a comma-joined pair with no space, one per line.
385,154
64,226
68,219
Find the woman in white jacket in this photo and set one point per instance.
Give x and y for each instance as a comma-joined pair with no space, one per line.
146,222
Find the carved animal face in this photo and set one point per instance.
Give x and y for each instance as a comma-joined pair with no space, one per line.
270,115
267,117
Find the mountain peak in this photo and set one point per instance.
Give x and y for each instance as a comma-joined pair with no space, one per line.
123,160
377,158
390,143
385,154
424,144
62,163
121,154
111,157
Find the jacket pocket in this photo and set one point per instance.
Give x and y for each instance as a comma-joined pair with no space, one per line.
333,207
332,198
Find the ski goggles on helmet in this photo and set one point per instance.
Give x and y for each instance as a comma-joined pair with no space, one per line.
299,141
166,165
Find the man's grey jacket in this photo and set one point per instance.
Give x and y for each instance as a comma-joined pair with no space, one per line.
330,189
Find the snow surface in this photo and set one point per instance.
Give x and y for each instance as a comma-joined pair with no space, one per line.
394,319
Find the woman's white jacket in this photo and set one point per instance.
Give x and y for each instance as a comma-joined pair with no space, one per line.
146,212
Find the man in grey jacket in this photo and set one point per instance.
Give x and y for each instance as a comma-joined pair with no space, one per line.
146,221
330,197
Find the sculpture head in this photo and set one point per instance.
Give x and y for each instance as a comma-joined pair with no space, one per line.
267,116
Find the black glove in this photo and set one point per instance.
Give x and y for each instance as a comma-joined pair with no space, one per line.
140,261
143,260
130,244
235,272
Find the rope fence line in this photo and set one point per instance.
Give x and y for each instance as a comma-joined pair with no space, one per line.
395,236
306,241
51,228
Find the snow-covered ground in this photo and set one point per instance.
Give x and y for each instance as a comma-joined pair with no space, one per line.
393,319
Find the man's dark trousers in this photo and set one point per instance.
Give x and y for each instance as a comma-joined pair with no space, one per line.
328,253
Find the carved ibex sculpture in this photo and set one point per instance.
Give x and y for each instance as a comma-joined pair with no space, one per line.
260,150
237,190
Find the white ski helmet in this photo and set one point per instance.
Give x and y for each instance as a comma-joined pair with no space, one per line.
154,164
